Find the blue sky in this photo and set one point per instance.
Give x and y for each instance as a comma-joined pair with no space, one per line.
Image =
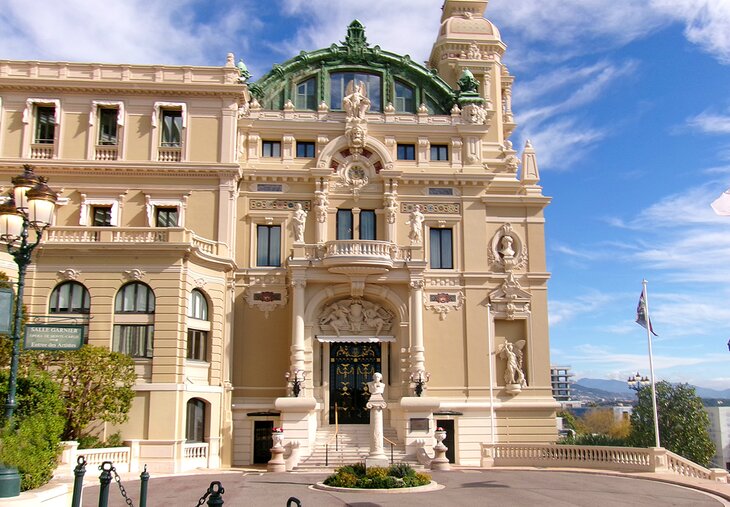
626,103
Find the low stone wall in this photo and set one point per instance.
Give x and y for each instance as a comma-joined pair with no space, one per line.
57,493
621,459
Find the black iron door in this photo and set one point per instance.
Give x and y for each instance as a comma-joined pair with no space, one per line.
262,441
351,366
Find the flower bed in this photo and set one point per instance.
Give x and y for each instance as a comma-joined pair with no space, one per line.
398,475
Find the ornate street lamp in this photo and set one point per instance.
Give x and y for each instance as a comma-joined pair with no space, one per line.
296,380
30,207
419,380
636,382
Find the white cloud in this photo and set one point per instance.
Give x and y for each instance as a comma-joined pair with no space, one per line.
710,123
134,31
561,143
561,311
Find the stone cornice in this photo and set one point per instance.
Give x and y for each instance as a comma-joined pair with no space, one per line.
120,88
118,168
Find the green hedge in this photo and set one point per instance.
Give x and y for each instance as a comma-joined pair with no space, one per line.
30,442
398,475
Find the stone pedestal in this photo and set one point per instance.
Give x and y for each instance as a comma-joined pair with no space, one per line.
277,463
440,461
513,388
377,456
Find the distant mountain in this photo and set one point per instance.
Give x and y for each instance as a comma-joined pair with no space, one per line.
620,387
589,394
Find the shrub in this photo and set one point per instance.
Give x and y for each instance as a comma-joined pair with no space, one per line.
595,439
30,442
94,442
398,475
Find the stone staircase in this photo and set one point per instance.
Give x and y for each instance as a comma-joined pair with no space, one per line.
353,447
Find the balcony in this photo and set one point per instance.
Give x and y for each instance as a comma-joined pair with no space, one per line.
42,150
169,154
133,236
352,256
106,152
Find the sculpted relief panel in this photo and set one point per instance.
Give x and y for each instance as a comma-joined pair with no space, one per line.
355,317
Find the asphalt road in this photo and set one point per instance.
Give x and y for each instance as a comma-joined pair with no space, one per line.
463,488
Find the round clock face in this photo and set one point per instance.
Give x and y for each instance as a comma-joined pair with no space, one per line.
356,173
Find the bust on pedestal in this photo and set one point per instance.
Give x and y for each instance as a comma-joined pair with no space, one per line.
376,404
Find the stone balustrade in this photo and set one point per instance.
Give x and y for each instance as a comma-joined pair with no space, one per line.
132,235
106,152
383,254
623,459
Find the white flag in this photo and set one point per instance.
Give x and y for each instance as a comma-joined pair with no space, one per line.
721,205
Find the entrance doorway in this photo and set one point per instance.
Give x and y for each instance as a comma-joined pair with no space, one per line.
351,366
448,425
262,441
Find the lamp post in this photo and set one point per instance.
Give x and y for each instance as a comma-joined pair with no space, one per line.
419,380
30,206
637,381
296,380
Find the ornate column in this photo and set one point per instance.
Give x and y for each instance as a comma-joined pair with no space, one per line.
320,212
297,337
418,359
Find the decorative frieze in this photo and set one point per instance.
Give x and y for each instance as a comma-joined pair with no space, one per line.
510,301
277,204
436,208
355,316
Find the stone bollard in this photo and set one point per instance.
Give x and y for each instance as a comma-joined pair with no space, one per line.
440,461
277,463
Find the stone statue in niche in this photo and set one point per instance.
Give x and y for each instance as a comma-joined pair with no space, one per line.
514,375
355,316
416,223
356,102
298,222
505,247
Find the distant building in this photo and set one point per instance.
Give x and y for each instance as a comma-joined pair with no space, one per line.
720,434
560,381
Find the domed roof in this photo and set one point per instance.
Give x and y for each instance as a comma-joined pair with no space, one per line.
467,27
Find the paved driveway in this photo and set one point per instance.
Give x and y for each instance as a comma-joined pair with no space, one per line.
533,488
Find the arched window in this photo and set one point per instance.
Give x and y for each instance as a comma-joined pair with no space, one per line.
405,98
195,423
69,297
306,95
72,298
135,297
338,88
198,327
134,334
198,305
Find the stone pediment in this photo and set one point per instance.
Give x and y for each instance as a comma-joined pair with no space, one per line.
510,300
356,317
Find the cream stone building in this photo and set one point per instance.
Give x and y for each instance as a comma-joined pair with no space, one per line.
350,212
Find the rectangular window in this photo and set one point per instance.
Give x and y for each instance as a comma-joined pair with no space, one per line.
439,152
305,149
442,249
406,152
45,127
367,224
271,149
166,217
101,216
197,345
268,245
344,224
171,128
306,96
108,125
133,339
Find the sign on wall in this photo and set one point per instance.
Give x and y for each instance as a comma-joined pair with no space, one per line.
6,309
53,337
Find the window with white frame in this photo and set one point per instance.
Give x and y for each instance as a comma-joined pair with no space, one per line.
42,116
108,115
268,245
170,120
72,298
195,421
134,311
441,242
198,327
163,211
100,211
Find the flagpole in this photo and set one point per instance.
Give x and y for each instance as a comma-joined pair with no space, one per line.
490,340
651,364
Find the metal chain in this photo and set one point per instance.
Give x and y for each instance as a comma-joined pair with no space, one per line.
121,488
203,498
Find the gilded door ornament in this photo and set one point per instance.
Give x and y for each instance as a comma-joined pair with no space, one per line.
352,365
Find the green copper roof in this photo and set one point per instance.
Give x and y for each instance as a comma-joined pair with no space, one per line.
354,54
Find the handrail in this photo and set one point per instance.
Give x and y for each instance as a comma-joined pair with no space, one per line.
392,444
337,432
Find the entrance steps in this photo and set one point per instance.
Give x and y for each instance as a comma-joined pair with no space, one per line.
353,446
